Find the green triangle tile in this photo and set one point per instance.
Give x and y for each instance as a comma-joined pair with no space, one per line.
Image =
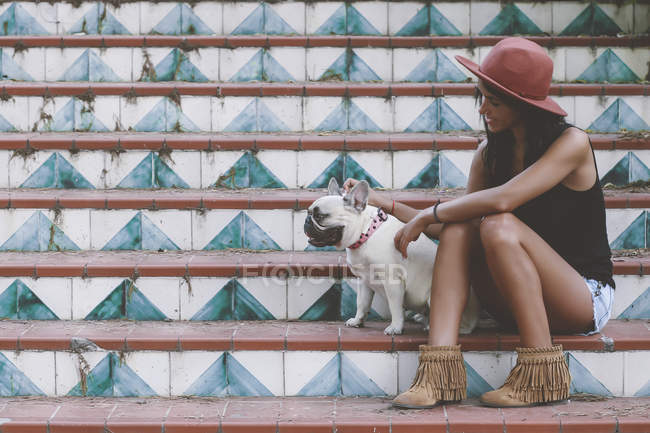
428,21
17,21
57,172
19,302
476,385
89,67
450,175
634,236
38,233
582,381
126,301
618,116
436,67
313,248
349,304
255,238
99,20
263,20
176,66
348,116
335,24
355,382
112,377
140,234
638,170
327,307
629,169
5,126
166,116
267,121
592,21
231,236
429,176
249,172
343,167
639,308
256,117
357,24
644,391
152,172
227,377
76,116
181,20
14,382
327,382
349,67
438,116
608,68
511,21
262,67
10,70
233,302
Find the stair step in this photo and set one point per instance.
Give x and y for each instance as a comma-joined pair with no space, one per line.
315,415
116,335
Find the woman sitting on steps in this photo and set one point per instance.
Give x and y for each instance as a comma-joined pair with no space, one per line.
529,236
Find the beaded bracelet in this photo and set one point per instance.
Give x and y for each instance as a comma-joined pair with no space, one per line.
435,212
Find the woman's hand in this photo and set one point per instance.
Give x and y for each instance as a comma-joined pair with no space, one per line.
374,199
409,233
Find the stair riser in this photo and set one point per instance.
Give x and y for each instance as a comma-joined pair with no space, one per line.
278,373
219,229
224,298
287,114
269,168
282,64
469,17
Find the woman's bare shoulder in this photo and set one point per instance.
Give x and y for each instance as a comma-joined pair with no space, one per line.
574,139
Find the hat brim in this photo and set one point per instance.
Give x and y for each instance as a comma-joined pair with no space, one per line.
546,104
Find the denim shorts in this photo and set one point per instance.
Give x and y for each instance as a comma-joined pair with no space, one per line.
602,297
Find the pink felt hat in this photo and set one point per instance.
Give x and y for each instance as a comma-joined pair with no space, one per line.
519,68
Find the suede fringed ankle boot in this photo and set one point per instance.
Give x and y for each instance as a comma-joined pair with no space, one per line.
541,375
440,377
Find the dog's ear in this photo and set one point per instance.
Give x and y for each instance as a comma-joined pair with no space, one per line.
357,197
333,187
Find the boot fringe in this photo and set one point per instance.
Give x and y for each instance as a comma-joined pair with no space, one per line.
541,375
441,372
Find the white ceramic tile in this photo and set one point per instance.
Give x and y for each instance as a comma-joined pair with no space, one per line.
618,220
282,163
319,60
399,14
607,159
581,59
641,21
317,109
225,110
31,60
233,60
37,366
628,288
558,56
153,13
175,224
214,165
381,368
106,224
379,60
144,61
4,166
637,374
623,15
44,14
87,293
152,368
458,13
311,164
589,108
303,292
16,112
132,112
539,13
292,59
493,367
270,292
409,108
128,14
299,237
377,164
379,303
287,109
380,110
568,104
15,218
106,109
163,293
564,13
293,13
605,367
58,61
407,366
405,60
481,13
206,225
301,367
376,13
197,110
634,58
317,13
75,223
235,13
467,108
120,165
68,367
408,164
203,290
207,61
186,164
69,15
266,366
461,159
277,224
187,367
212,15
55,293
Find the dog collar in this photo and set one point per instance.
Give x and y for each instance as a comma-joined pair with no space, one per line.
374,225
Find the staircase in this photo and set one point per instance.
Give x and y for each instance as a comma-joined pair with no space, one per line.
159,160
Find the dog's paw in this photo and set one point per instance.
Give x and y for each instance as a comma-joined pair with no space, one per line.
392,330
420,318
354,323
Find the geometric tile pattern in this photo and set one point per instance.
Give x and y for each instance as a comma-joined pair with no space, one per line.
38,233
76,115
341,377
166,116
344,166
140,233
233,302
511,21
126,302
263,20
635,235
261,67
89,67
14,382
582,380
56,172
608,68
249,172
19,302
347,20
348,116
628,170
10,70
619,116
349,67
256,117
436,67
99,20
242,232
440,172
181,20
438,116
592,21
639,308
176,66
338,303
429,21
15,20
152,172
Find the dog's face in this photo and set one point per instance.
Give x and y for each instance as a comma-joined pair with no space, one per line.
330,219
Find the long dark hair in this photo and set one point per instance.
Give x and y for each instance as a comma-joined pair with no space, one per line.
542,129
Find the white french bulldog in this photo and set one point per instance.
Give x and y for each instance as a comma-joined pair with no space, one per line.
367,233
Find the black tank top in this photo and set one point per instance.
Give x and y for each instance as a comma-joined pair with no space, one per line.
573,224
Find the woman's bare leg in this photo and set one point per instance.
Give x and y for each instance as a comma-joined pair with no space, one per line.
535,282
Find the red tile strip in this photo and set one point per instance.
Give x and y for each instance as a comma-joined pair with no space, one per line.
191,42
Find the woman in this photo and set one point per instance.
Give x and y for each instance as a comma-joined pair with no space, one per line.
529,236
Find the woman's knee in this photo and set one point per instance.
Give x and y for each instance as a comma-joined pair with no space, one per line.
459,232
498,229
